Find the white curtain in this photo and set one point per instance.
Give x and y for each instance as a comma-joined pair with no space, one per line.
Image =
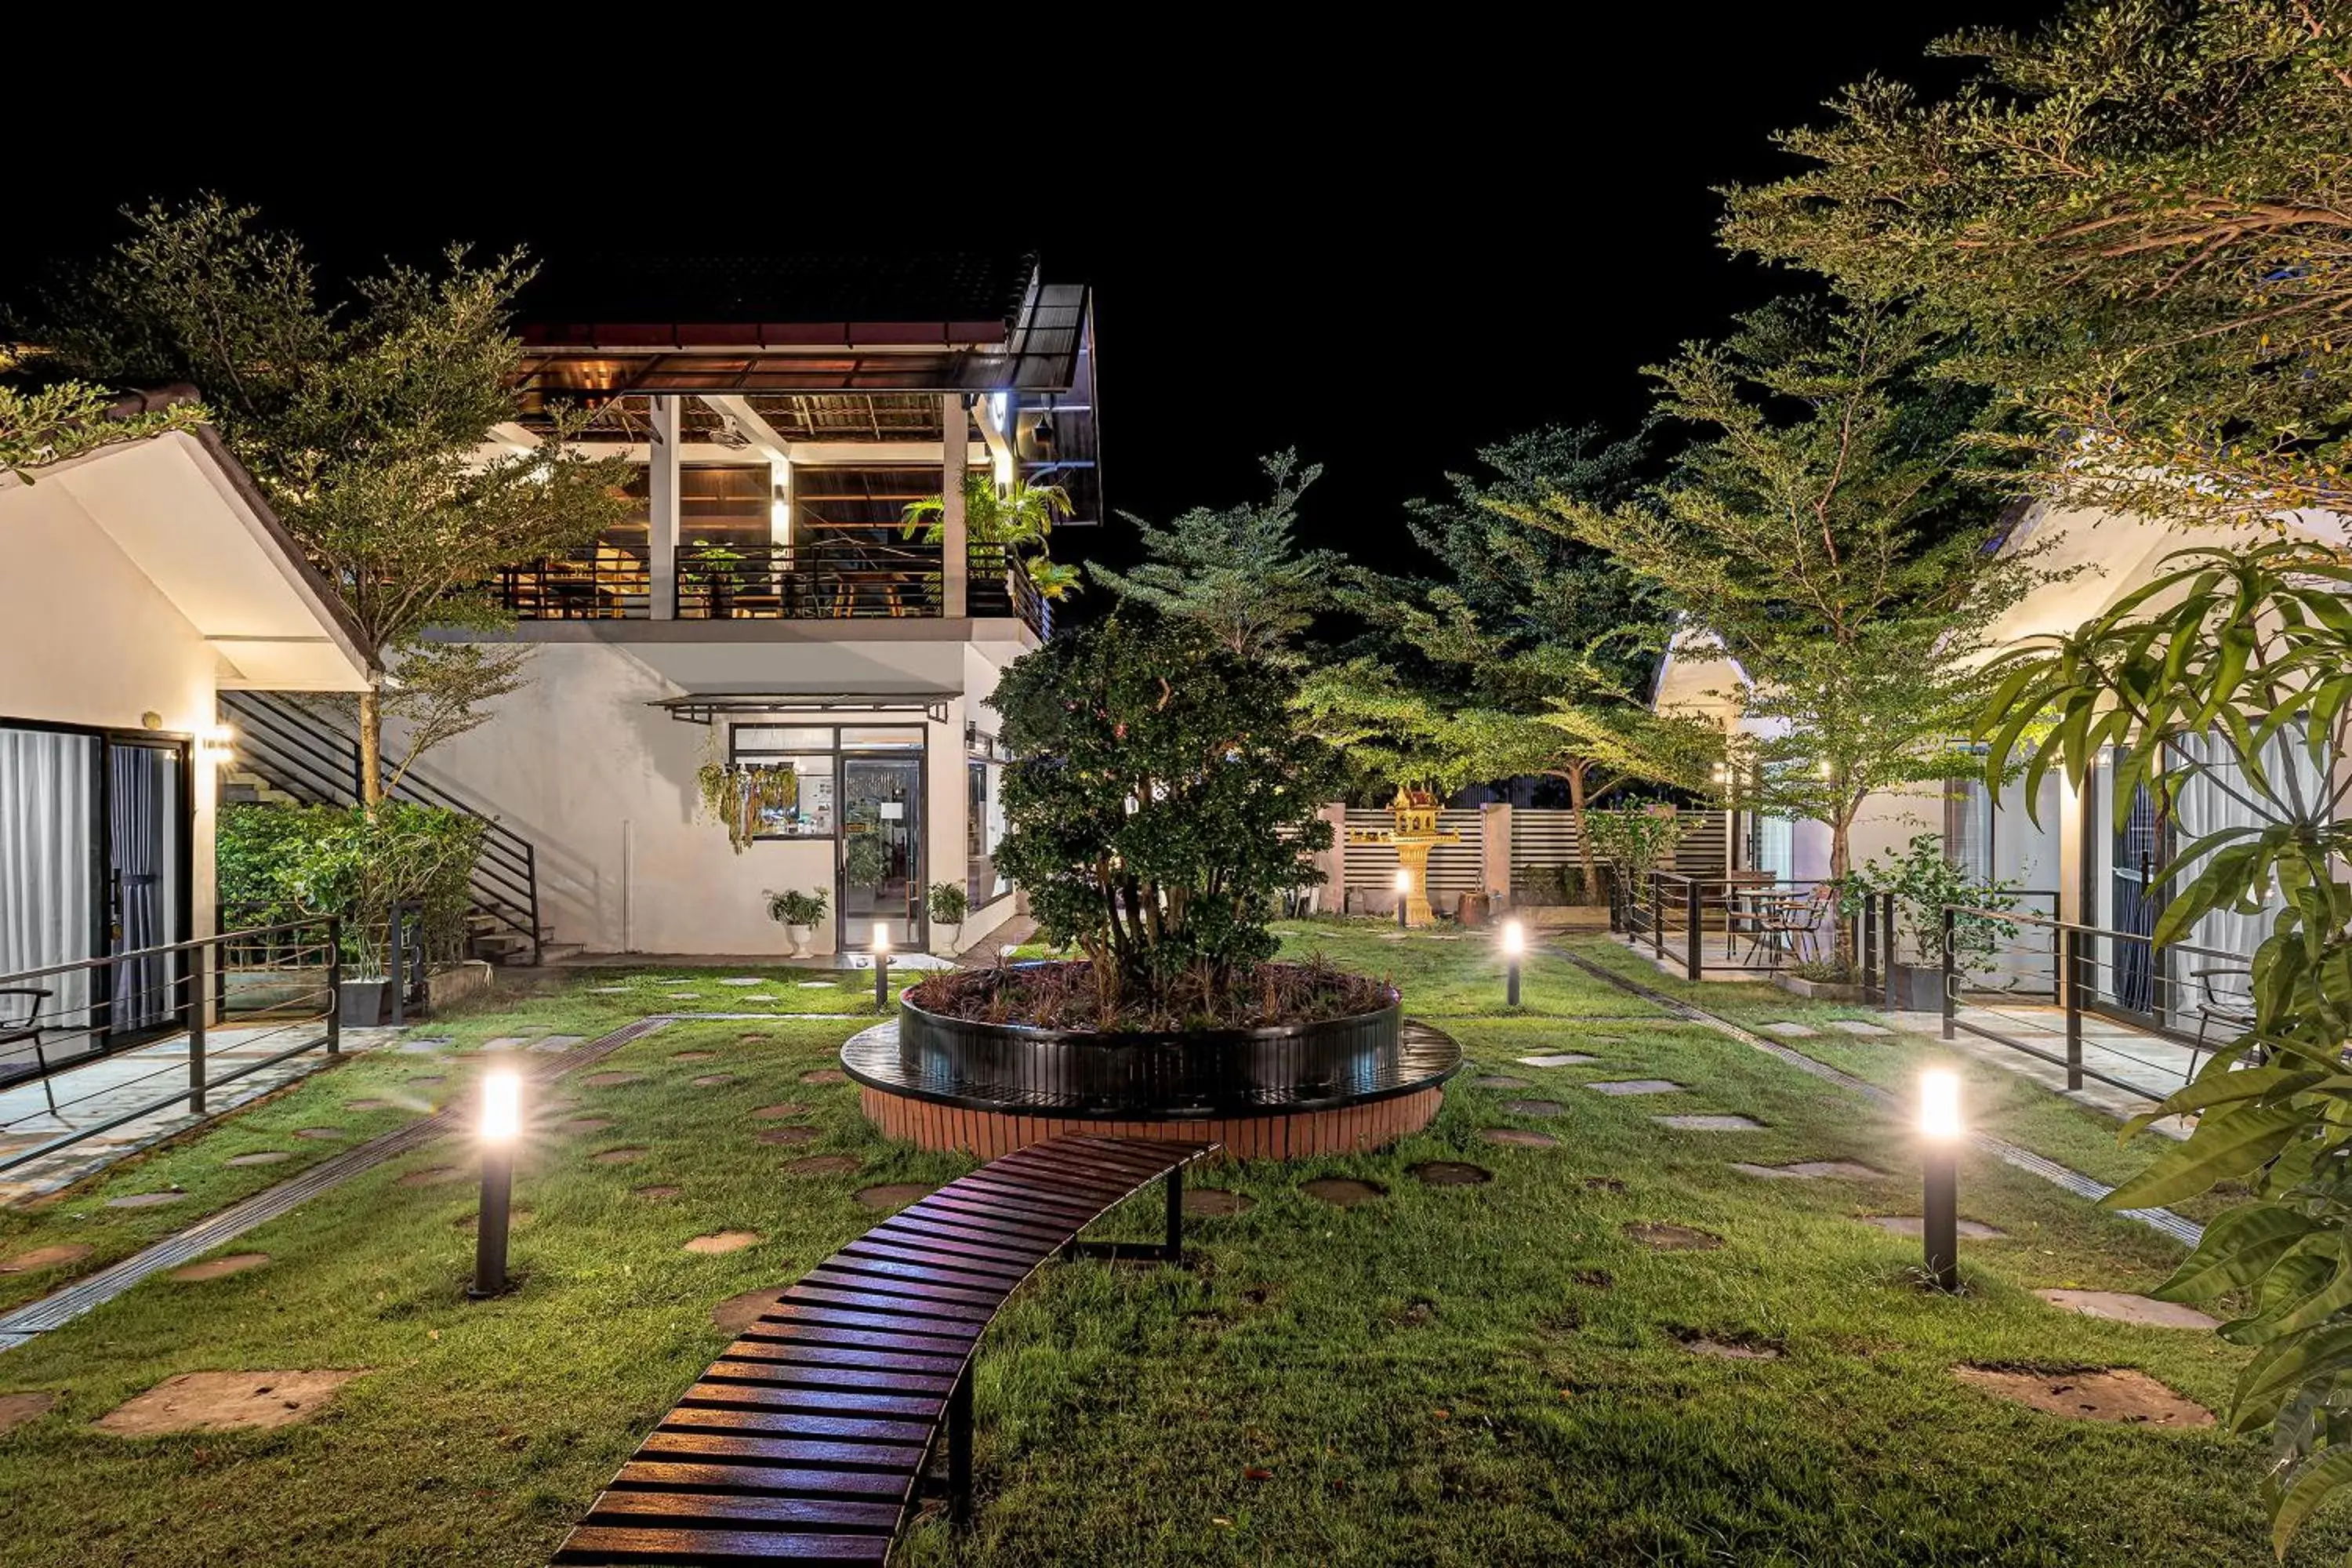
2217,795
48,838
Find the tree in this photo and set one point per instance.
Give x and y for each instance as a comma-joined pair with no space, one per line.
364,421
43,425
1160,803
1526,657
2237,665
1822,541
2142,217
1021,517
1237,571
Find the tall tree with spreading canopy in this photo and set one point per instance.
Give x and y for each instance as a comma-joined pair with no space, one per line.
365,422
1526,656
1826,549
2141,217
1235,570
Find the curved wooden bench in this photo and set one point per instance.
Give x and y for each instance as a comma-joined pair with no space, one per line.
805,1442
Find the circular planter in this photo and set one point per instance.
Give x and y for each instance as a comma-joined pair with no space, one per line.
1291,1090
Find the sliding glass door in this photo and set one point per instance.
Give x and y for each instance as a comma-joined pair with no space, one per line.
881,850
94,844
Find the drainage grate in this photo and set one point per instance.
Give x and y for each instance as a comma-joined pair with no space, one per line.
2188,1233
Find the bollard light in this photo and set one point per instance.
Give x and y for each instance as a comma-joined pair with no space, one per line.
499,1130
881,964
1939,1159
1404,896
1515,941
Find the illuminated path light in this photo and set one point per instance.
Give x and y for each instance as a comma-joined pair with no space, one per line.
1515,941
1940,1158
501,1126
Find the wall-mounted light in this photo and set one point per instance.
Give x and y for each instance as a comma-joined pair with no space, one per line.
219,743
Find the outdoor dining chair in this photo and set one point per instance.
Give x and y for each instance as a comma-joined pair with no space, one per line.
2230,1008
25,1033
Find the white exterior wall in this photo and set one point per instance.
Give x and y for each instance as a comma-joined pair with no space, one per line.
91,640
603,784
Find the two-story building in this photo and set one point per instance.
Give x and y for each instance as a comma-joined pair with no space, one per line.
766,626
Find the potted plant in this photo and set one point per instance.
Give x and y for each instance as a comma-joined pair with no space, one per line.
1923,882
798,913
947,904
1161,802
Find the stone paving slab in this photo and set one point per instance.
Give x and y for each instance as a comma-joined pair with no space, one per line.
1789,1030
1858,1027
1811,1171
1556,1059
2117,1307
1710,1123
1638,1086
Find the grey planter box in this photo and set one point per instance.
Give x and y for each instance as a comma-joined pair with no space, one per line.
366,1001
1818,990
1916,988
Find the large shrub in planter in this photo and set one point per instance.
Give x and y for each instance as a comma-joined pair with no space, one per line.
282,863
1162,804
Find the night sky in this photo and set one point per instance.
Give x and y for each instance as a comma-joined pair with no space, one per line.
1387,270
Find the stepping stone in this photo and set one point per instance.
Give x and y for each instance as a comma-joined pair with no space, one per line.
421,1048
40,1258
825,1075
1345,1192
738,1314
431,1176
1518,1138
326,1134
1535,1107
1449,1173
894,1194
1604,1185
657,1192
2124,1396
1637,1086
1788,1031
611,990
762,998
683,995
560,1042
1502,1081
224,1402
2116,1307
712,1079
790,1136
1856,1026
1912,1225
507,1043
16,1409
724,1241
1710,1123
744,980
822,1165
220,1267
692,1056
1215,1203
607,1080
753,1038
584,1125
1556,1059
778,1113
1811,1171
818,985
619,1156
367,1105
260,1157
1659,1236
144,1200
1728,1349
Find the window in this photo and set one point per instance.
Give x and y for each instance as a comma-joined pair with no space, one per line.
796,769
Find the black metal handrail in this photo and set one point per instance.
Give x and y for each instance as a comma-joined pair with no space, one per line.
300,754
593,583
827,579
173,983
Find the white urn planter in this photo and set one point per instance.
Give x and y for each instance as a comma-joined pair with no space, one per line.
943,935
799,937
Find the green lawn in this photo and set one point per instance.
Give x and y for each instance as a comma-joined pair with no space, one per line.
1459,1375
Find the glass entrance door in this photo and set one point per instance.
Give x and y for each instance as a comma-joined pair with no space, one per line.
881,852
146,844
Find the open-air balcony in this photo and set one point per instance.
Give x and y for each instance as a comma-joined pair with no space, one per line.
833,580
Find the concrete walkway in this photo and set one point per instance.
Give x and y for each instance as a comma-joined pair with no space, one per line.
107,1086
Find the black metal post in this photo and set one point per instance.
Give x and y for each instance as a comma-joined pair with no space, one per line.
2071,946
1511,988
1951,974
881,979
1869,946
490,1222
334,985
960,1451
1405,903
1886,950
1175,1185
393,955
198,999
1657,919
1940,1214
1692,960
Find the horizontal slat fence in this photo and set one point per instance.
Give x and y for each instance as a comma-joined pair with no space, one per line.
1454,868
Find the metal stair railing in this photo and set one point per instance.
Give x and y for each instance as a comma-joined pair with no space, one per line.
299,752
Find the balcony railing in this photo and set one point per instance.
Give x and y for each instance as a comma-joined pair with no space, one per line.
832,580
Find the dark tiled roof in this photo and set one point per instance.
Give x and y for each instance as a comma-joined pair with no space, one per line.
946,285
